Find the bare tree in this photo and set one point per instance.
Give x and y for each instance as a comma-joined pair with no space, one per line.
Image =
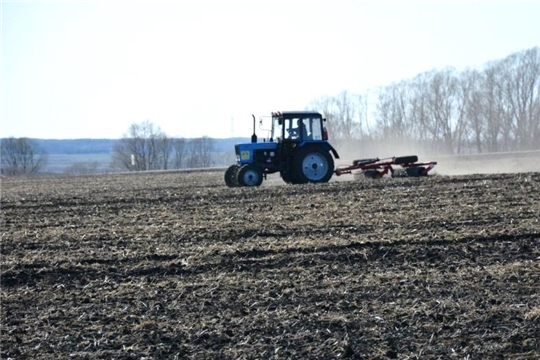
420,117
162,147
350,109
494,109
143,147
345,114
474,110
522,91
200,152
464,89
22,156
179,148
394,113
441,94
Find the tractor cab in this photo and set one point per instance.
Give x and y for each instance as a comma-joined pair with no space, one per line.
297,126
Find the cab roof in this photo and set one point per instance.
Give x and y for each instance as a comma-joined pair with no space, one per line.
296,114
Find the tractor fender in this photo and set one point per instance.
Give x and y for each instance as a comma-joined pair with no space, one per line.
336,155
325,145
330,148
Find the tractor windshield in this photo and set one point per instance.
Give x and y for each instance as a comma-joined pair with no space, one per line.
302,128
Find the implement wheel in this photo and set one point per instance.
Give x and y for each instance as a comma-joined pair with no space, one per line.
365,161
416,171
312,164
249,175
230,176
372,174
399,173
405,159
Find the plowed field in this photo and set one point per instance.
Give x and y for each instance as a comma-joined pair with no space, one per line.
176,265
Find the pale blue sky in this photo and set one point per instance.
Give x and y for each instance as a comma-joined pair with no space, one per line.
90,69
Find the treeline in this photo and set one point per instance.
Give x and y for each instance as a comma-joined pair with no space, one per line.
143,147
150,147
146,147
496,108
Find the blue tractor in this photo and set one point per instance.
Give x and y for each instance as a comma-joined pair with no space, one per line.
297,147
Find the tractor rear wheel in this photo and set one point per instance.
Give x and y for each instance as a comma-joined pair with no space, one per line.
312,164
230,176
249,175
286,177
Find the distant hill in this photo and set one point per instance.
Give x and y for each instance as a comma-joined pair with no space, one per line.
105,146
76,146
62,154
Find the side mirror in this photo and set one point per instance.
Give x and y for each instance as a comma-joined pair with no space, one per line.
324,119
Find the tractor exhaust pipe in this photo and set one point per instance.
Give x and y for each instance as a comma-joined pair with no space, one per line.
254,136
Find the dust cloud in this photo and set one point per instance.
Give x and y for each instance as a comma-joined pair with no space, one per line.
489,163
493,163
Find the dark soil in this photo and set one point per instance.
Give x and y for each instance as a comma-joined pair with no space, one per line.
177,265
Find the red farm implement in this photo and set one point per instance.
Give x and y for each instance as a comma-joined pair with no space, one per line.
400,166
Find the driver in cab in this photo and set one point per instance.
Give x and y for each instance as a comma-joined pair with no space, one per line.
294,133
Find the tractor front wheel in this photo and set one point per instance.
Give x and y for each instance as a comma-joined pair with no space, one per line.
312,165
230,176
249,175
